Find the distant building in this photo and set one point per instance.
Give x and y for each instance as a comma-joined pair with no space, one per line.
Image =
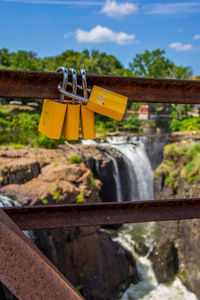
143,112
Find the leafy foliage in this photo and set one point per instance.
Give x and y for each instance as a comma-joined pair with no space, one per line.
94,62
187,124
132,123
185,160
74,159
80,198
21,128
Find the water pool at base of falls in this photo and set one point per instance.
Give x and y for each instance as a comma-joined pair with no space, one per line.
148,287
173,291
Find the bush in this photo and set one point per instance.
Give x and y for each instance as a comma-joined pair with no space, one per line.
21,127
80,198
187,124
74,159
132,123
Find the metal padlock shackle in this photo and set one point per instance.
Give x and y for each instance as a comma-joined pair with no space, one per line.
74,85
64,82
84,83
74,82
74,96
80,86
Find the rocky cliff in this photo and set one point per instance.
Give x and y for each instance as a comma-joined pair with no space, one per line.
178,249
98,267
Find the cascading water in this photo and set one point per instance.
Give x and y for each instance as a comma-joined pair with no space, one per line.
139,168
116,178
6,201
140,174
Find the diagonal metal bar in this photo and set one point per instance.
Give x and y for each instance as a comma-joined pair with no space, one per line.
24,84
26,272
71,215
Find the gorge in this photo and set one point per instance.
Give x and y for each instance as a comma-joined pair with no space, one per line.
145,260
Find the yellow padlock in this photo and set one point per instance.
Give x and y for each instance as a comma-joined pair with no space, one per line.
107,103
52,118
87,116
87,123
72,117
102,101
53,113
71,123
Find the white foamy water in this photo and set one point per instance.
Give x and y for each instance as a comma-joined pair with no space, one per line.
116,178
148,288
139,167
8,202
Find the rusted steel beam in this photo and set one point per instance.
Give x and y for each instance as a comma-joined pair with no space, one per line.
70,215
24,84
26,272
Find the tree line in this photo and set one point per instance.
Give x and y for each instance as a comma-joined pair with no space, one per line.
153,64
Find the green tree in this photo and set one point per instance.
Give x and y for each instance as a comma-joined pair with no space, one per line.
24,60
154,64
5,59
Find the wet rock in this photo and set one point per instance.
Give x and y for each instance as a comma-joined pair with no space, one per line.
165,262
89,259
99,160
141,249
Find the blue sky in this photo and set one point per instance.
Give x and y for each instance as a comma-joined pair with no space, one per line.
121,28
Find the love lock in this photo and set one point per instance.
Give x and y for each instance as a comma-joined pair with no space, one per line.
102,101
72,118
53,112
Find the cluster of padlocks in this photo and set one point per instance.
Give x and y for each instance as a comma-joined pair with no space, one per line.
63,116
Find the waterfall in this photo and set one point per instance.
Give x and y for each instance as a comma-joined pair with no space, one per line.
6,201
139,168
140,174
148,288
116,178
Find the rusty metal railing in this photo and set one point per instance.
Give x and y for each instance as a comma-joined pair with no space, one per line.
24,269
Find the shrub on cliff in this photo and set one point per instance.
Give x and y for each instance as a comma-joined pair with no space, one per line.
187,124
180,158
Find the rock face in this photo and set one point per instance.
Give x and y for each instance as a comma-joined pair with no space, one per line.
178,251
100,160
98,267
90,260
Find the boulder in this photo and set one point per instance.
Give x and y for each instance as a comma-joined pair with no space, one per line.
99,268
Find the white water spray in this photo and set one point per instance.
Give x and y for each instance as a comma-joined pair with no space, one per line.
139,167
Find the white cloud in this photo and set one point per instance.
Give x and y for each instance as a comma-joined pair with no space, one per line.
172,8
113,9
101,34
180,46
196,37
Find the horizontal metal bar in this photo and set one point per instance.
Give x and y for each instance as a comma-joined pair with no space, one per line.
26,271
70,215
24,84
